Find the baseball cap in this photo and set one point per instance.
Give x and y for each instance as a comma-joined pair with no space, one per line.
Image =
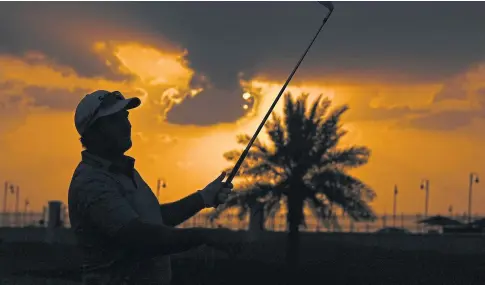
98,104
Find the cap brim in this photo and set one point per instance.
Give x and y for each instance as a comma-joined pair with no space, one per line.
125,104
132,103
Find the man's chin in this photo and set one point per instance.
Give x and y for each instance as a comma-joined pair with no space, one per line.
128,145
124,145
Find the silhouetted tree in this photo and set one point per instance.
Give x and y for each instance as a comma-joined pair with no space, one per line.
303,166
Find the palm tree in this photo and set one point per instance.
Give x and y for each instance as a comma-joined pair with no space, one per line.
302,166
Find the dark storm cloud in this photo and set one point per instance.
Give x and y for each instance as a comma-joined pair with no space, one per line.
57,99
33,96
64,32
208,108
420,41
19,37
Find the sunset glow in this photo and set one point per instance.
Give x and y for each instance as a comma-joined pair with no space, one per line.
399,120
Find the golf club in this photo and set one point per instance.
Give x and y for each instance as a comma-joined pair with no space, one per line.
234,171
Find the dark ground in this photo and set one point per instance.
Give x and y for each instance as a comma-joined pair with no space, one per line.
262,263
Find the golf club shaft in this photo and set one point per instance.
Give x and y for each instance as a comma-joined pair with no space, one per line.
260,127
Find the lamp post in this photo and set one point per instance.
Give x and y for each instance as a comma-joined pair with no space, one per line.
5,195
6,217
26,205
473,179
425,187
394,207
17,214
160,184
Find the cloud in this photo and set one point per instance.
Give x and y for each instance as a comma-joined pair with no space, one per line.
32,84
460,101
66,34
454,90
367,113
43,74
166,139
368,102
165,75
460,105
442,121
212,106
226,45
481,93
359,38
161,78
57,99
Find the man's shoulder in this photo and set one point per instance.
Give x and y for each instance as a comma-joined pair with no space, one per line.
88,182
86,174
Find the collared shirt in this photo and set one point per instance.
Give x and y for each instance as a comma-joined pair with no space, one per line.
103,197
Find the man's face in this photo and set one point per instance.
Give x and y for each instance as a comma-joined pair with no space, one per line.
116,129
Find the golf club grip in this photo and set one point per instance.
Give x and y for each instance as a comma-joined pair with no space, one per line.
268,113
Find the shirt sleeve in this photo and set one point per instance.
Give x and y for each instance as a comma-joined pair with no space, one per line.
103,204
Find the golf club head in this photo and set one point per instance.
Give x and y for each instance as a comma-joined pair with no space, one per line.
327,4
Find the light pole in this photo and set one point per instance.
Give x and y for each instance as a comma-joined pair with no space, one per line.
6,222
160,184
473,179
17,214
394,207
26,205
5,195
425,187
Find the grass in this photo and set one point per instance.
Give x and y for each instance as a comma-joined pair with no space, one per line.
330,262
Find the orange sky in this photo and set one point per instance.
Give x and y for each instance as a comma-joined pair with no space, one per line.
39,146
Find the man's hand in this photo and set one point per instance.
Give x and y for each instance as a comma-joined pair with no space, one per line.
216,192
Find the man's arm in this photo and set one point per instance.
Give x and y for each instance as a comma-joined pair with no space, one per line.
100,199
152,239
177,212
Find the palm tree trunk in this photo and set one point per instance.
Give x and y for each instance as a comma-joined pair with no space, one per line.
294,218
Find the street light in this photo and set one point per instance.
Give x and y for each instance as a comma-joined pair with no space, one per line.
160,184
8,186
394,207
473,179
425,187
4,215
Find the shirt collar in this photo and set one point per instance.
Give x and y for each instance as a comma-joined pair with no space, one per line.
125,163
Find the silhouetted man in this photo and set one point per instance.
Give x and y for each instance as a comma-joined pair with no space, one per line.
125,235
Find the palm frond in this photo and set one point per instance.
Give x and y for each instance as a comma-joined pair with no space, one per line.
322,211
276,131
348,192
329,133
257,144
350,157
252,155
273,205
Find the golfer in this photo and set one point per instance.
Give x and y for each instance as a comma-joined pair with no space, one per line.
125,235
